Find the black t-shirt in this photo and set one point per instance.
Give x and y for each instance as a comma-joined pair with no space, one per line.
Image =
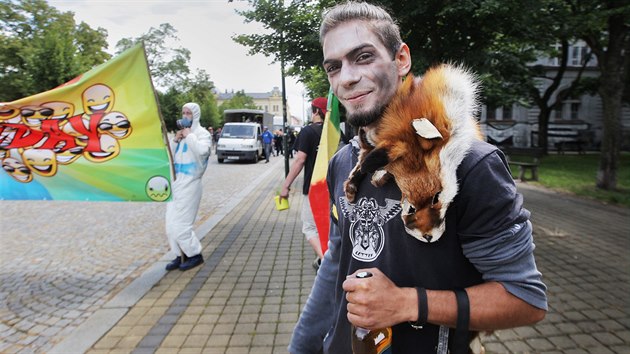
308,142
373,235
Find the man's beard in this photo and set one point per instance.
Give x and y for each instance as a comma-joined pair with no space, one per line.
362,119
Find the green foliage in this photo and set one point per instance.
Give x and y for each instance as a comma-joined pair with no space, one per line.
200,90
42,48
169,68
292,34
168,65
239,100
171,103
316,82
498,39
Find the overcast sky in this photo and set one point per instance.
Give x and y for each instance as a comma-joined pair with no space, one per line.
205,27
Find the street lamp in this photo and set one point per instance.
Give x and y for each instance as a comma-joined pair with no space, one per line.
284,107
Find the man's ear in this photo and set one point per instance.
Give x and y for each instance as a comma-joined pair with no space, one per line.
403,60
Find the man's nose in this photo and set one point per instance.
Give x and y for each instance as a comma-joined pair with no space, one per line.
349,75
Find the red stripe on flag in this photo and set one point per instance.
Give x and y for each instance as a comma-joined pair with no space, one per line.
318,197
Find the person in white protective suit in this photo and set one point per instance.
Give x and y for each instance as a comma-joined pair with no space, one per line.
192,149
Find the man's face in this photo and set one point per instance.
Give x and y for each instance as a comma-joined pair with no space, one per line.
187,113
361,71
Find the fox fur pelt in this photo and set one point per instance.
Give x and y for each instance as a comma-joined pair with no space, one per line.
423,136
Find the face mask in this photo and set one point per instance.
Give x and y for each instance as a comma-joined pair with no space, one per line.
184,123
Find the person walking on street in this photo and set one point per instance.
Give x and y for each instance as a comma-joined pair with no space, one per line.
212,145
479,275
215,138
267,139
277,142
290,143
192,149
307,144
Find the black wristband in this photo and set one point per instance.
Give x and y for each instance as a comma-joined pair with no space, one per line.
460,342
423,309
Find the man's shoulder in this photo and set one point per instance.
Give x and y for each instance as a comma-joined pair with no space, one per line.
345,158
479,151
312,128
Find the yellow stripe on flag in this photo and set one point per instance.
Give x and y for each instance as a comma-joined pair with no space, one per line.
318,193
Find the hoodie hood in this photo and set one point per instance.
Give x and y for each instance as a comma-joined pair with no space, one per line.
196,111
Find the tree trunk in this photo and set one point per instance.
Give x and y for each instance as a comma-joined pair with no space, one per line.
543,128
612,64
611,140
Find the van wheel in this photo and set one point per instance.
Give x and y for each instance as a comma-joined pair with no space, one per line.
256,158
220,160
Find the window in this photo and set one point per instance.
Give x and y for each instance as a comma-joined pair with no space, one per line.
491,112
577,54
507,112
574,56
555,61
558,112
575,109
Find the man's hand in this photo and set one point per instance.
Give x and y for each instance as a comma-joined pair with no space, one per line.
376,302
181,134
284,193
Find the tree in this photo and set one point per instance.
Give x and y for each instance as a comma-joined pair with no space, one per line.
496,38
316,82
168,66
292,36
499,39
200,89
170,70
42,48
605,27
239,100
171,103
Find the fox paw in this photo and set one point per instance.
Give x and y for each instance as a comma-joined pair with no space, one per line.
351,190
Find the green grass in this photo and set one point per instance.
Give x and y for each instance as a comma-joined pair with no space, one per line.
576,174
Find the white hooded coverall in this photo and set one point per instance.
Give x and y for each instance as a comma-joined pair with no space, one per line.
190,159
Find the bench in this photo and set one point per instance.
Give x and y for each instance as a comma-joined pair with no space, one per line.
533,155
577,145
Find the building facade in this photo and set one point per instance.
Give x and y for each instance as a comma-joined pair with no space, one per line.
578,121
270,102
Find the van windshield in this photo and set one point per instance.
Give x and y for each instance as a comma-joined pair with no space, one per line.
239,132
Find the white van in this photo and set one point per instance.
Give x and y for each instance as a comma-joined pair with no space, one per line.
240,141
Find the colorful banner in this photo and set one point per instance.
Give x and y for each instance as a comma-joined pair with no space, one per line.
318,192
98,137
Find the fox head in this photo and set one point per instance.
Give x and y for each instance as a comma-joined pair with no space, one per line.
425,133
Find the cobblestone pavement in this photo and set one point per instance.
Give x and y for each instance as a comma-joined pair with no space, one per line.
62,261
583,251
257,275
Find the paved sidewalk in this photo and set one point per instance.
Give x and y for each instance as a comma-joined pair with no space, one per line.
583,252
245,298
257,276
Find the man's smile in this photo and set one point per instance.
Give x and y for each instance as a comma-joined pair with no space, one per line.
357,96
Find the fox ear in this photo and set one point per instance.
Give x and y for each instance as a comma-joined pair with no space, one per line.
425,129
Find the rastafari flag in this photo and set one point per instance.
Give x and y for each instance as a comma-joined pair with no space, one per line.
318,192
98,137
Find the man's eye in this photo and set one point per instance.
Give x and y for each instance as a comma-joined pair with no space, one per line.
364,56
331,68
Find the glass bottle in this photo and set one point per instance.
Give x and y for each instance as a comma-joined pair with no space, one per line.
377,341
